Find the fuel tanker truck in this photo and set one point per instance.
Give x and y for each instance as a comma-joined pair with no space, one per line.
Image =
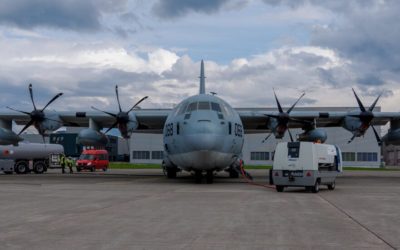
28,157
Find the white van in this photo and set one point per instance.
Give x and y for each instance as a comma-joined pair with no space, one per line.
306,164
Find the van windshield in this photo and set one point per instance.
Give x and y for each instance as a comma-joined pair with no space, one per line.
86,157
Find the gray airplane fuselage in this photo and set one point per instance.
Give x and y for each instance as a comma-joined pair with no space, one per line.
203,132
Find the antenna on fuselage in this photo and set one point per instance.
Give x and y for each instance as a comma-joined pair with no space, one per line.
202,79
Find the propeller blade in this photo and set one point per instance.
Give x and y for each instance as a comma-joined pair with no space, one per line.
374,103
278,103
112,126
52,100
31,94
26,126
290,134
362,108
352,138
266,138
116,93
378,138
141,100
108,113
294,104
23,112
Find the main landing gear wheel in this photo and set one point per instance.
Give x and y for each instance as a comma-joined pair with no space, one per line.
233,173
198,175
210,177
171,173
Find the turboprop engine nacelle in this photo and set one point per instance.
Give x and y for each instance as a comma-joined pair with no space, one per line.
8,137
314,135
127,128
91,137
393,135
51,123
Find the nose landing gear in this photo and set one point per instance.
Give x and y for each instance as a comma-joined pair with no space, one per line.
198,176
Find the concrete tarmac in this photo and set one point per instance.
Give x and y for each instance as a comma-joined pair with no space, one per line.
141,209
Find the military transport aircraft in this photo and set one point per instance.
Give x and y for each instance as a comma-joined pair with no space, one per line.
203,133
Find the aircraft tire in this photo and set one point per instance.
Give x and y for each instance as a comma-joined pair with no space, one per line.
233,173
198,175
171,173
210,177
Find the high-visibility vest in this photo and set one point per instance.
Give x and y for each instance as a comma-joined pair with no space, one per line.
63,160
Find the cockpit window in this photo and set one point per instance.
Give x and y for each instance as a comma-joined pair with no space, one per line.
224,109
204,105
192,107
215,107
182,108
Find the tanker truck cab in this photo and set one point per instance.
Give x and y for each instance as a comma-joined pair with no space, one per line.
306,164
92,160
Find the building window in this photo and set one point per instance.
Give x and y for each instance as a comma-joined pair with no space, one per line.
259,156
141,155
348,156
365,156
157,155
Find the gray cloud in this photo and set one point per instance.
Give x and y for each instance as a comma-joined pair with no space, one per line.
176,8
67,14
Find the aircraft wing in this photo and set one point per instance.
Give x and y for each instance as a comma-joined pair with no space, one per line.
150,120
256,120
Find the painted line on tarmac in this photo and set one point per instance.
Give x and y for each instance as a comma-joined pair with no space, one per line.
357,222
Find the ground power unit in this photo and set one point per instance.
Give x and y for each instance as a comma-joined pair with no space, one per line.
305,164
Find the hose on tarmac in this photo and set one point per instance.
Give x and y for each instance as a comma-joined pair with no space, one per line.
250,180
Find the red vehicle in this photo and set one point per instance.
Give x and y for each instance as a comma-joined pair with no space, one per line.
92,160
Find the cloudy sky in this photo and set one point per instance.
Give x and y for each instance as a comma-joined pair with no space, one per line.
153,47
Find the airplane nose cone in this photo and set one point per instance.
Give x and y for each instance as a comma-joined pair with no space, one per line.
205,136
203,142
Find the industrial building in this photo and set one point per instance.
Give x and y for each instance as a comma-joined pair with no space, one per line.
363,152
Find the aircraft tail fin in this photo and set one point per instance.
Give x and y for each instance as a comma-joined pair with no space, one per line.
202,79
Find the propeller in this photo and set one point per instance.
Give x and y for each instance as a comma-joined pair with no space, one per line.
283,118
37,116
366,116
122,117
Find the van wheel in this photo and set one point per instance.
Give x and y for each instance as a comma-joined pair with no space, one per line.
315,188
332,186
279,188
